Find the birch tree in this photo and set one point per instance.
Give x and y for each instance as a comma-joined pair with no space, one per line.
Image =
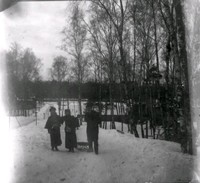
74,43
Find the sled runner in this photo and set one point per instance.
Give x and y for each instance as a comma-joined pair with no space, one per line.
120,131
82,146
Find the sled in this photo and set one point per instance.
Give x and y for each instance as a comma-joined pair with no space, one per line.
83,146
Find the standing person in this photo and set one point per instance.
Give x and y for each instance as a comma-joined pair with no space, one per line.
132,121
53,127
71,123
93,121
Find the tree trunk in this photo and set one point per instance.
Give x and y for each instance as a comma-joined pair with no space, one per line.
79,101
155,35
186,68
111,102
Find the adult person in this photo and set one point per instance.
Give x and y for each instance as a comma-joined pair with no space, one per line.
53,127
132,121
71,123
93,120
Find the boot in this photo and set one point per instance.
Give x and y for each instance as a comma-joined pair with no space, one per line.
96,150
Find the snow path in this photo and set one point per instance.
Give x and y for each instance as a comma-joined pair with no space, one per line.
122,159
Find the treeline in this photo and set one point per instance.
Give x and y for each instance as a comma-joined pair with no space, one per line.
90,90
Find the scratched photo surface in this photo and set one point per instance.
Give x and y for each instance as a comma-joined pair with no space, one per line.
100,91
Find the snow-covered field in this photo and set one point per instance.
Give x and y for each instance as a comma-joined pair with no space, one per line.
18,121
122,158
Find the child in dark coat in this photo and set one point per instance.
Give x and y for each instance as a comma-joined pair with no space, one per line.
71,123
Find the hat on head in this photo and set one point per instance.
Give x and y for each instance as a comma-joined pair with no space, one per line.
52,109
89,104
67,110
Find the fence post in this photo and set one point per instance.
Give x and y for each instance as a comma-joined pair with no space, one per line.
36,116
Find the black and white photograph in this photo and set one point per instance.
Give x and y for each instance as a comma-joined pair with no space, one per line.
100,91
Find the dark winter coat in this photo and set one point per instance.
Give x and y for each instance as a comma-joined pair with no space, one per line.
70,131
93,120
53,127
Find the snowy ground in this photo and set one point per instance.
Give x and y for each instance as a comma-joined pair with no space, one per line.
122,158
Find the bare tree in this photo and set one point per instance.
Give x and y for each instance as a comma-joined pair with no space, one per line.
186,127
22,66
59,72
104,43
117,11
74,43
59,69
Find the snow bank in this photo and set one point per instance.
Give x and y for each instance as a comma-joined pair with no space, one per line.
143,160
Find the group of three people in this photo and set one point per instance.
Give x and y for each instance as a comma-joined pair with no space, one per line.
71,123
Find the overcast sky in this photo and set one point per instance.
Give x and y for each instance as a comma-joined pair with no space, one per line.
36,25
